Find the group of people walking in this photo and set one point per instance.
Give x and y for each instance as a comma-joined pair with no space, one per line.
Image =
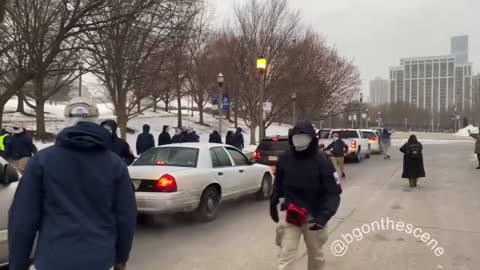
146,141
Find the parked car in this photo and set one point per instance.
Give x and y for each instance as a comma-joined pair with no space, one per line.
373,138
9,177
270,149
358,147
196,178
323,133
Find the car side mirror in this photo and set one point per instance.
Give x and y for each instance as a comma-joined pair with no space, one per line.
8,175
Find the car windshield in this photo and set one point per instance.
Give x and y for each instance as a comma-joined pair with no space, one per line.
345,134
169,156
323,134
270,145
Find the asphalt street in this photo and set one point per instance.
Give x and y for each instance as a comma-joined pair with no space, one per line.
445,205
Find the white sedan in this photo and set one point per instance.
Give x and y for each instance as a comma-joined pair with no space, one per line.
195,177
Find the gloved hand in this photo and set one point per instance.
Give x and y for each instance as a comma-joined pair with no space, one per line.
315,226
274,211
120,266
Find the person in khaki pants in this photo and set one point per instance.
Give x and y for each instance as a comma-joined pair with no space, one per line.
338,150
310,191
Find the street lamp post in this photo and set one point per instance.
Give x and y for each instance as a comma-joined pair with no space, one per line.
80,66
220,80
261,66
294,99
361,100
366,117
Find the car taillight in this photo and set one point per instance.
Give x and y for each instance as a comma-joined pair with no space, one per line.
275,139
166,183
257,155
354,144
373,139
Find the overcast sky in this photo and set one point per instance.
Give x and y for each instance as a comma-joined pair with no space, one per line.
377,33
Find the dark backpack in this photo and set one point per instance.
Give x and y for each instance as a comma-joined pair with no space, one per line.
414,151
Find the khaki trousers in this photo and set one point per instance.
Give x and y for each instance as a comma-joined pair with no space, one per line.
288,239
339,163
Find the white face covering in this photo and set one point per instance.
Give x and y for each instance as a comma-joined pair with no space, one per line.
301,141
335,138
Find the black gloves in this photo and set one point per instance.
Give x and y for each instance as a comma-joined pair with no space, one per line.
274,211
315,226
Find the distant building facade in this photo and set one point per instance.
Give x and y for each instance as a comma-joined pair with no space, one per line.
379,92
476,89
437,83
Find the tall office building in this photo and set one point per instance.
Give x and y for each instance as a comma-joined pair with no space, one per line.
379,92
437,83
476,89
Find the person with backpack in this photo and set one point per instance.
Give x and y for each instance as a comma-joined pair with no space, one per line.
386,143
413,167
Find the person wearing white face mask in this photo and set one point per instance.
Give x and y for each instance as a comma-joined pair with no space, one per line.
311,196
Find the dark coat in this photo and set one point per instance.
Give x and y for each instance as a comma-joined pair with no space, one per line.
164,138
191,137
228,138
177,138
119,146
412,168
339,148
237,140
215,137
477,145
19,146
307,179
145,140
79,198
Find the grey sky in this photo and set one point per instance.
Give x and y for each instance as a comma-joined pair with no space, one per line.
377,33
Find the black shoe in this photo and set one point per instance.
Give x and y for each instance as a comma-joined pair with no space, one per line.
343,175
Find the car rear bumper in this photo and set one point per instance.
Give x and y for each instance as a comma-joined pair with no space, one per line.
165,203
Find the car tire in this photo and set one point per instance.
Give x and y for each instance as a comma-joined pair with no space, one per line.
209,204
358,157
265,190
145,219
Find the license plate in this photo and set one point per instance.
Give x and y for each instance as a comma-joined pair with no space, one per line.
272,158
136,183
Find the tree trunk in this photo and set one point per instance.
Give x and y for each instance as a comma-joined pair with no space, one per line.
21,104
200,112
235,117
155,100
253,137
139,104
41,133
179,105
228,115
122,124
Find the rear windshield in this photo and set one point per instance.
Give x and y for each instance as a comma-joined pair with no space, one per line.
346,134
169,156
323,134
269,145
369,135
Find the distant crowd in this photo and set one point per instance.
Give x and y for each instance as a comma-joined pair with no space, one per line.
16,144
145,140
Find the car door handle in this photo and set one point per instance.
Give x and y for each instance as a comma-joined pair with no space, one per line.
241,171
220,173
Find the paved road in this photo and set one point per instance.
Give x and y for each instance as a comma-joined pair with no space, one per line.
446,205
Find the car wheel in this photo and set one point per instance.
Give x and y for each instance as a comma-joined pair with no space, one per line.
358,157
265,189
145,219
209,204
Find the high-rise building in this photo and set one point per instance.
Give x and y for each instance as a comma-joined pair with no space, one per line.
476,89
437,83
379,92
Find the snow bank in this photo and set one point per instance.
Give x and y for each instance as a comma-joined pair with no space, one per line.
465,132
156,120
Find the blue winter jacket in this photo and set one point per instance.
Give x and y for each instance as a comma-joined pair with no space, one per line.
78,197
338,147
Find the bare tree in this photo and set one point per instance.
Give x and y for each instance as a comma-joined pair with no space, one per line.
120,52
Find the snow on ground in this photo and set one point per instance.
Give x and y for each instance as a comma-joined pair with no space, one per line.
156,120
465,132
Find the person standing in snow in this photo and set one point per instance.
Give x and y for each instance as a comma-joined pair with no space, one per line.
191,136
164,137
145,140
118,146
76,199
229,137
237,139
20,148
178,137
215,137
